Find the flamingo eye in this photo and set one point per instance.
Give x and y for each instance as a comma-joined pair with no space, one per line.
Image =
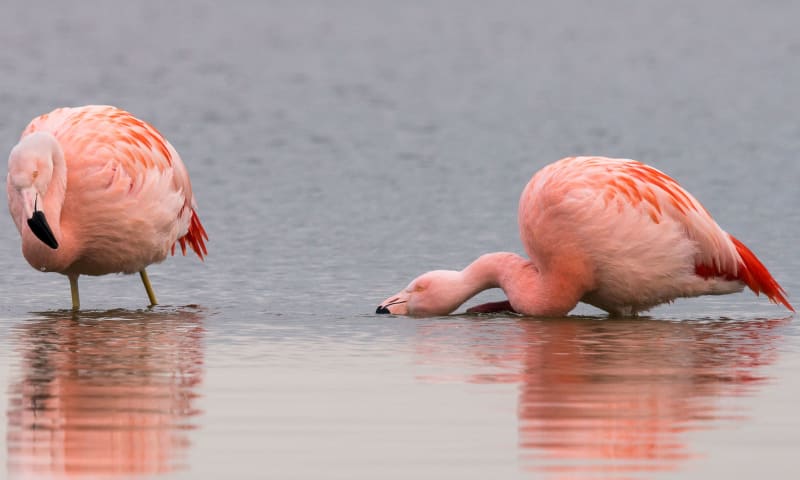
35,174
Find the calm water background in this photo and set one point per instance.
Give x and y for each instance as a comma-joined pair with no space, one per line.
337,151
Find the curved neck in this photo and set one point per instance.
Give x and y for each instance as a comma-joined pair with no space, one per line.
50,196
53,200
492,270
530,291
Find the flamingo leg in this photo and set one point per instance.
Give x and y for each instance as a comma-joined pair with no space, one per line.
73,288
149,288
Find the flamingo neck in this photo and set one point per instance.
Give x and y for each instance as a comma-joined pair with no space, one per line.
51,202
530,290
489,271
56,192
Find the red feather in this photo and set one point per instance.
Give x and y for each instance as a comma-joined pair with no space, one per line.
752,272
196,238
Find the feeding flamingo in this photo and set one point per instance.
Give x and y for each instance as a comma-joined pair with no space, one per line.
94,190
616,234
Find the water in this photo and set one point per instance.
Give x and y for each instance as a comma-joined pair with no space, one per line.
337,151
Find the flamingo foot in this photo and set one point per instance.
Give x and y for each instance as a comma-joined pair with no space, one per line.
492,307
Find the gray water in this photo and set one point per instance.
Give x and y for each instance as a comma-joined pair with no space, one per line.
339,149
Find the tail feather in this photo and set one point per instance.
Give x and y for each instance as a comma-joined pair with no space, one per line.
196,238
756,276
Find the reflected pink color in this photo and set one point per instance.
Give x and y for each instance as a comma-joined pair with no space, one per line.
606,397
105,395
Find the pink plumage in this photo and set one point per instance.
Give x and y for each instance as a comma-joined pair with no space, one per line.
614,233
94,190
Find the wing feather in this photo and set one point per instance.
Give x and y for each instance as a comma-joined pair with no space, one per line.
659,196
719,254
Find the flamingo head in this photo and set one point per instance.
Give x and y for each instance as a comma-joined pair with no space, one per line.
30,171
430,294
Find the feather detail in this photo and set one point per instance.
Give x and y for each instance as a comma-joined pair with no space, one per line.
750,271
133,143
757,277
196,238
625,183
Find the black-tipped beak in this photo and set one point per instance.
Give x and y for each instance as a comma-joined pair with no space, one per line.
382,309
40,228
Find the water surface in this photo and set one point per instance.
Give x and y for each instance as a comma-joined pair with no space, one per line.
339,150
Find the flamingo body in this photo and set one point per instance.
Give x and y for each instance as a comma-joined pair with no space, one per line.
115,194
613,233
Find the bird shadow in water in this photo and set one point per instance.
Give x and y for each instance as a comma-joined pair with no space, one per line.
105,392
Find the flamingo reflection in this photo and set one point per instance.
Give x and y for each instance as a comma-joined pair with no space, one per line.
104,394
615,398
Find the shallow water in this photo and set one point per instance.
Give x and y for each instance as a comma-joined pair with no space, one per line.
339,151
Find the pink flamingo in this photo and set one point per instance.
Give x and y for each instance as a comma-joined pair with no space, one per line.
94,190
616,234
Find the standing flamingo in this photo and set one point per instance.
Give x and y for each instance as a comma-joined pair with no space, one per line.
94,190
616,234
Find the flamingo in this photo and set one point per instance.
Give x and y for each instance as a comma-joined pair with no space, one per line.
94,190
613,233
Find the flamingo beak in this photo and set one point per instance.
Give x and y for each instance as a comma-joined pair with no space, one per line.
396,305
39,226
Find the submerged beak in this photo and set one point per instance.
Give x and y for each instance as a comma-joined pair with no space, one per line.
39,226
396,305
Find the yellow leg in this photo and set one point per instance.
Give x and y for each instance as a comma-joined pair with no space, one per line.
149,288
73,288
